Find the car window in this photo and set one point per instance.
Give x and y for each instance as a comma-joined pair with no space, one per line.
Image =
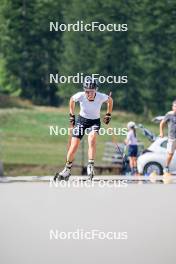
164,144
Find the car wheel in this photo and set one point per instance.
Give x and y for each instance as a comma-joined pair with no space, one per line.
153,166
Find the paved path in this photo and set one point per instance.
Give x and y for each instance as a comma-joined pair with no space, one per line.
31,211
128,179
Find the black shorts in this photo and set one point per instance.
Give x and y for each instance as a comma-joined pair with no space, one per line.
85,125
132,150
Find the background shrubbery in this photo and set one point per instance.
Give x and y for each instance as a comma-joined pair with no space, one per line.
146,52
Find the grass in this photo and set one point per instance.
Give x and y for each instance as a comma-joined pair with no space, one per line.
25,139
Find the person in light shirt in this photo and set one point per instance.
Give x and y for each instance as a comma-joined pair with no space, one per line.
170,121
132,144
90,101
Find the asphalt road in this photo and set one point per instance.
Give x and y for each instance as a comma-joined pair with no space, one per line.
44,223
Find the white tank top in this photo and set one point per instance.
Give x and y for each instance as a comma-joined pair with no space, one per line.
90,109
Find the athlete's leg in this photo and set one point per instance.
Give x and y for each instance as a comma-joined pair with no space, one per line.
171,147
169,159
166,170
75,142
66,172
135,165
92,138
131,164
134,162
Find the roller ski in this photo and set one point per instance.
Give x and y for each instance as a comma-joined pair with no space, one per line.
64,175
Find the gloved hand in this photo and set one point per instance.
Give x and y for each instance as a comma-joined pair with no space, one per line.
72,119
107,118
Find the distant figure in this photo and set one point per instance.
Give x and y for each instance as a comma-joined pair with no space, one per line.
170,120
131,142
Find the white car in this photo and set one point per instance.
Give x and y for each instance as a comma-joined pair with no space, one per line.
154,158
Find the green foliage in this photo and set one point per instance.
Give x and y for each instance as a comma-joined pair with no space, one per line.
7,101
30,51
145,53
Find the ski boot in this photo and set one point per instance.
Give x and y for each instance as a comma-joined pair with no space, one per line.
63,175
90,170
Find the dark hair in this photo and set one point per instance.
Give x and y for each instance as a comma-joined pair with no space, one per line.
134,130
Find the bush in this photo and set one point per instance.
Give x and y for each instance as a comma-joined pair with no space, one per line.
7,101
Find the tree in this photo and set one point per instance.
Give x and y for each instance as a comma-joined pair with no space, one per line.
30,51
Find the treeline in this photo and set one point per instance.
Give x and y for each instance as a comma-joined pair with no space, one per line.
146,53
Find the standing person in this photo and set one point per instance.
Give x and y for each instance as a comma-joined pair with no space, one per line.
131,142
89,118
170,120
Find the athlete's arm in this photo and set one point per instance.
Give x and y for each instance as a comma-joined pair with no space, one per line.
72,106
162,125
107,117
109,105
72,111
